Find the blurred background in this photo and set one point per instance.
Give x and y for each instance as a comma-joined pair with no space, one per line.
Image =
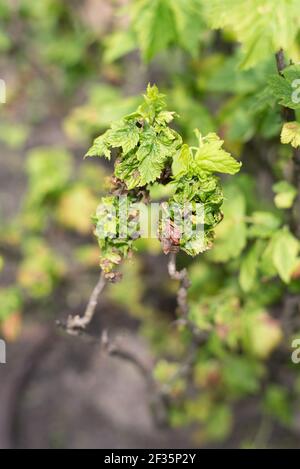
71,68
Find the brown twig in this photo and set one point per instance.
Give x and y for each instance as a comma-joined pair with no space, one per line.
77,324
289,115
115,350
184,280
290,302
198,336
158,399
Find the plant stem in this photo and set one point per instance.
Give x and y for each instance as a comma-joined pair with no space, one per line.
77,323
158,398
183,277
290,115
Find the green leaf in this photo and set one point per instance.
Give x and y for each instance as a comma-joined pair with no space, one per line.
291,134
181,161
211,157
119,44
152,154
99,148
249,266
154,103
231,234
153,23
285,194
277,404
105,105
10,301
161,23
49,170
14,135
262,29
219,423
285,249
124,134
286,88
126,169
241,375
192,112
40,269
188,23
145,140
262,333
264,224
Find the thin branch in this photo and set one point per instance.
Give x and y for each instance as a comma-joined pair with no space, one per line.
287,113
198,337
183,277
280,61
115,350
290,115
77,323
158,399
184,370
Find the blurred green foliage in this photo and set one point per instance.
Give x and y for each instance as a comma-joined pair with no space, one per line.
60,67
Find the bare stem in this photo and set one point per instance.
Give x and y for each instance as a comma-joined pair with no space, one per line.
198,337
280,60
183,277
156,395
115,350
288,116
78,323
287,113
